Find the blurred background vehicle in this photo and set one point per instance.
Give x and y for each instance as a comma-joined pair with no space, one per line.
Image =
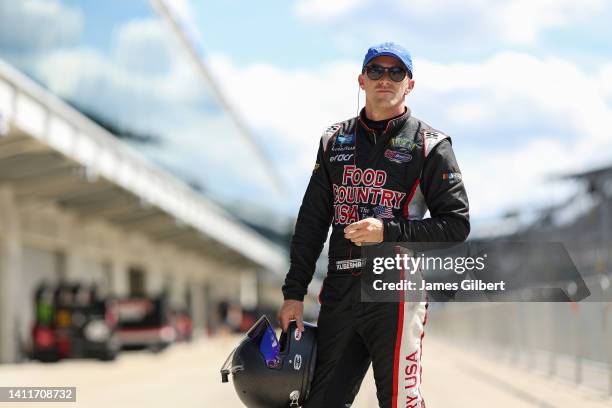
72,321
146,323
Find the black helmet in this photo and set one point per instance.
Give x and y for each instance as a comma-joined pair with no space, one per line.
273,374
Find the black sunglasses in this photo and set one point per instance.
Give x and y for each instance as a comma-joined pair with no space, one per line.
375,72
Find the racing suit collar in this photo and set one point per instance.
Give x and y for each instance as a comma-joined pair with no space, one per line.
392,125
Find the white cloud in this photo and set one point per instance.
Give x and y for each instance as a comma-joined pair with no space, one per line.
516,120
326,10
515,21
543,93
29,25
168,99
181,8
516,177
518,22
519,120
144,66
297,105
184,15
605,77
144,45
519,85
86,75
521,21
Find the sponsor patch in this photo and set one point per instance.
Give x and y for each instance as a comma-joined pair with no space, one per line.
452,177
383,212
316,167
350,264
297,362
432,134
341,158
402,142
297,335
362,186
343,148
397,157
331,130
344,139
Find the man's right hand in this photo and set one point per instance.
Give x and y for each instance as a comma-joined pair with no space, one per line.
291,310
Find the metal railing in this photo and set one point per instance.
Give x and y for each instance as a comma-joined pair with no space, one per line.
568,340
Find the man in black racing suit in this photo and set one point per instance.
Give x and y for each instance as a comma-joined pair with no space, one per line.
375,177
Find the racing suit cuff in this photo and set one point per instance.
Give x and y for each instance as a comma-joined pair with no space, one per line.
390,230
293,289
293,296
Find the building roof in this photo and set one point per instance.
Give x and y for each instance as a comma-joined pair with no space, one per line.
51,151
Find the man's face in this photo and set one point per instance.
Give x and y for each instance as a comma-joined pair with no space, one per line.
385,93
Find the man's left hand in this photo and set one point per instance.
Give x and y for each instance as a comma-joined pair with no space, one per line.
368,230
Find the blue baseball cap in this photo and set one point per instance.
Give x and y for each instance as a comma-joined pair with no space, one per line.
392,50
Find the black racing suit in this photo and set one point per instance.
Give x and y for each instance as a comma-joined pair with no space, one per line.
396,175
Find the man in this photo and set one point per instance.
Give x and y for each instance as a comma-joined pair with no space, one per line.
375,177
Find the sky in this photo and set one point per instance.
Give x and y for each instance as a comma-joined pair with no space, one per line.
121,62
524,88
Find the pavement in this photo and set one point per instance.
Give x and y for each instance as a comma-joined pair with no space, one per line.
187,375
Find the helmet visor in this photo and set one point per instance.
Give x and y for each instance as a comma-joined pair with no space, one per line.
270,348
264,336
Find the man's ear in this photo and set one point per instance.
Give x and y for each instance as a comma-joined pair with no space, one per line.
410,87
361,81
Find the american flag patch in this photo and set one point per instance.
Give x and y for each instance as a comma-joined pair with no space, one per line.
451,177
383,212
